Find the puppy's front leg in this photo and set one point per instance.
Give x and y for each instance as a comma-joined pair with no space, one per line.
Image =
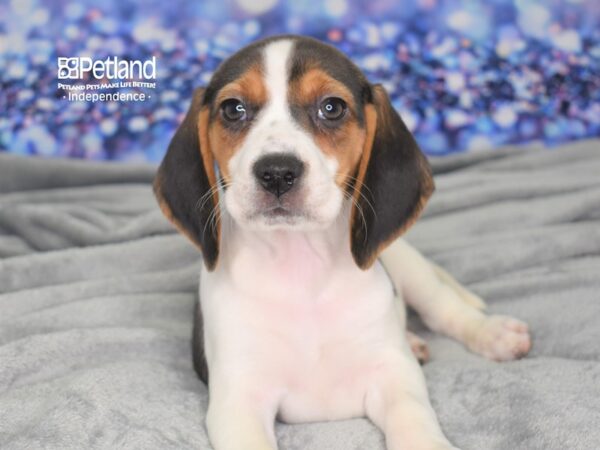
239,420
447,307
398,404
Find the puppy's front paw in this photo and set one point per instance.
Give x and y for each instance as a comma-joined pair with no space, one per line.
500,338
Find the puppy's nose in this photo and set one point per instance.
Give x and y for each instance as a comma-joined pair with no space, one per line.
277,173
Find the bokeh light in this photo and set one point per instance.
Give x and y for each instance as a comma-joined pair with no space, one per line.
464,74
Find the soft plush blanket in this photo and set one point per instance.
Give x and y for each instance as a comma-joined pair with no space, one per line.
97,292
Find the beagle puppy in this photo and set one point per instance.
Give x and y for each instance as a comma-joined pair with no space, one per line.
295,177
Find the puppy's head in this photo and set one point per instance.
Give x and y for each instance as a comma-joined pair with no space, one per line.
285,131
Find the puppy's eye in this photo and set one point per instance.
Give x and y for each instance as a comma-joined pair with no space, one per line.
332,108
233,110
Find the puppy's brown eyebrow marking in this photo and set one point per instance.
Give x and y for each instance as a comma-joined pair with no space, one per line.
343,142
225,141
250,86
315,84
310,54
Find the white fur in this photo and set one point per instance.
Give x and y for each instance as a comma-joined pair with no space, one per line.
275,131
294,329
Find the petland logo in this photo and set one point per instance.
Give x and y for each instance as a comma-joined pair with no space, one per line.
111,68
109,74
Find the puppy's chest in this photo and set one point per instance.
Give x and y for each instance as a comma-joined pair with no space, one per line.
319,307
317,346
313,297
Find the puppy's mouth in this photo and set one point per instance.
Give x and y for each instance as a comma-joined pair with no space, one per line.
278,212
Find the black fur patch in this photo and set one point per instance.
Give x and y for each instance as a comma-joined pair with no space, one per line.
182,184
396,184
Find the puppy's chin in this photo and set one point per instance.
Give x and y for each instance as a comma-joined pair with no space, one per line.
279,218
282,217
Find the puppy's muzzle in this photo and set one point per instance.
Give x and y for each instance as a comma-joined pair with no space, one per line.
278,173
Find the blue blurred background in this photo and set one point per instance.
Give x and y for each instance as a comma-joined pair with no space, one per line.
465,75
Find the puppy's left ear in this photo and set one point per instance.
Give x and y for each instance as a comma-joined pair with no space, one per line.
393,182
186,185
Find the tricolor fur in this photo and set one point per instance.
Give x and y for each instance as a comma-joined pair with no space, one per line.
293,174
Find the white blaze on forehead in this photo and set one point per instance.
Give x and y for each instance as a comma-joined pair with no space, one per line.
276,56
274,130
276,119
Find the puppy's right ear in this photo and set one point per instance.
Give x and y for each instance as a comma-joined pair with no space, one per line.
185,185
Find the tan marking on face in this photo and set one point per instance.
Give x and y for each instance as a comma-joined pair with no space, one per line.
371,126
225,141
250,87
208,163
345,143
206,150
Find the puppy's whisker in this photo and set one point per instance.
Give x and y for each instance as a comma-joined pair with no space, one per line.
207,196
362,215
213,217
211,222
364,197
356,180
217,216
202,200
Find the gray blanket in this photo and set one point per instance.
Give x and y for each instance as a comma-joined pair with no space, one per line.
97,293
